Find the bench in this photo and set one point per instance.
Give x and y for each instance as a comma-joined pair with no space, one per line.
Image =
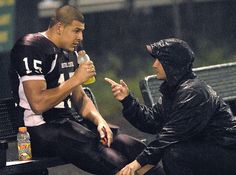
9,123
222,78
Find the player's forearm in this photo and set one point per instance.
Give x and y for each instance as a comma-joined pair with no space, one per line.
88,110
95,117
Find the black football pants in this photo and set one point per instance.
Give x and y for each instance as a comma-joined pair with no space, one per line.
81,146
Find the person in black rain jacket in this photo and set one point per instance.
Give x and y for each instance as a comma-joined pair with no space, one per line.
195,129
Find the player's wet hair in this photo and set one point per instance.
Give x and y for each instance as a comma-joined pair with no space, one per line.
66,14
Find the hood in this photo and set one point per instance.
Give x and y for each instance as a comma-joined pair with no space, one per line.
175,56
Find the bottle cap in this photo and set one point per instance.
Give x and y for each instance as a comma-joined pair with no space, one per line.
22,129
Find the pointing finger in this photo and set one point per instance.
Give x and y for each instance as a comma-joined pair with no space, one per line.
110,81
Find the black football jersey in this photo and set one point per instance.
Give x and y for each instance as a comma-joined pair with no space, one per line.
34,57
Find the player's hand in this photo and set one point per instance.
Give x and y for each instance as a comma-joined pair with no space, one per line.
85,71
130,169
106,135
120,91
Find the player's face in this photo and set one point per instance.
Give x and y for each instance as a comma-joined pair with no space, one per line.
158,69
71,35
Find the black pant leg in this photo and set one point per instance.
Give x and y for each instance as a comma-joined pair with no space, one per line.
81,146
44,140
199,158
76,144
128,146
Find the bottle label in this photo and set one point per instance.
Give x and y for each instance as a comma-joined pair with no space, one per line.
24,150
90,81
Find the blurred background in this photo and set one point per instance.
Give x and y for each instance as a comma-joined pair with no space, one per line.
115,37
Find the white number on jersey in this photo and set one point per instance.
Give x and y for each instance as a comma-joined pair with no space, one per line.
37,65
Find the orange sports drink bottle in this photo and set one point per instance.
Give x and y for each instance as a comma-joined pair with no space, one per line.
104,140
23,144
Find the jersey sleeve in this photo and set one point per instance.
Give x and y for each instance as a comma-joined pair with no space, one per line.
28,61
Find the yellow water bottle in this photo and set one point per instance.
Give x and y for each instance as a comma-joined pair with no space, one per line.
81,57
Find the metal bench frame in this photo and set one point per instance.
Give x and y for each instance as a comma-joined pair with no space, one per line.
222,78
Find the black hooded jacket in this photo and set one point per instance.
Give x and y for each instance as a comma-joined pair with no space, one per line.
188,110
